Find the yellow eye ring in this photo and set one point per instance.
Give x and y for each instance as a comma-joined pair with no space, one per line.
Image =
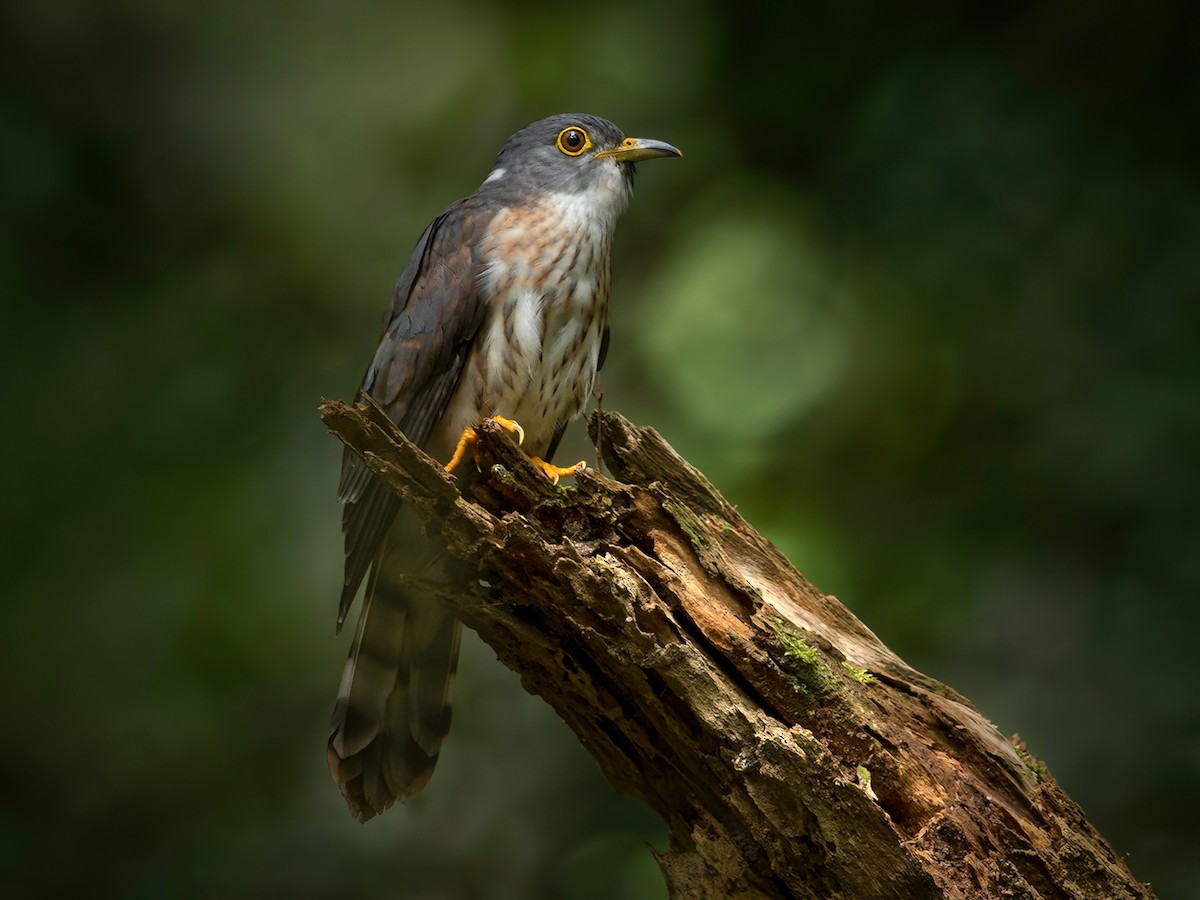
573,141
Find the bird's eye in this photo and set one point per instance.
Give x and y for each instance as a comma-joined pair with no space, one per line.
573,141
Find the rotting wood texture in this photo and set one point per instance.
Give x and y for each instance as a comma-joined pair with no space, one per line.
790,753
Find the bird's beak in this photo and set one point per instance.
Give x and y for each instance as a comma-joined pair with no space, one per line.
633,150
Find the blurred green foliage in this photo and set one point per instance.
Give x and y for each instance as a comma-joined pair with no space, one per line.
921,298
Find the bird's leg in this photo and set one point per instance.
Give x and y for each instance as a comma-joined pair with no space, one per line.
470,437
554,472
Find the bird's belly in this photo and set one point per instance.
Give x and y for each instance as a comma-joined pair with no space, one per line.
558,388
536,364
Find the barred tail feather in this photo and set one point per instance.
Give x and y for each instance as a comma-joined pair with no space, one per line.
393,708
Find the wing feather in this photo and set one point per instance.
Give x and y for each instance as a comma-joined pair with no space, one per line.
436,312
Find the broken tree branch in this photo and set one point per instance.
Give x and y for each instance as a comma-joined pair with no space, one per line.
790,753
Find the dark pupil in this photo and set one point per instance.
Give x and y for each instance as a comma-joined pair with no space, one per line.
573,140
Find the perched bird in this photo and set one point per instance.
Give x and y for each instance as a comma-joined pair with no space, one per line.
501,312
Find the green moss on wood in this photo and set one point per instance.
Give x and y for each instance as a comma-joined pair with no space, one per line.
1034,765
803,665
688,522
862,676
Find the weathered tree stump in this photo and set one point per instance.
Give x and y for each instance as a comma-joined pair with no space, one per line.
789,751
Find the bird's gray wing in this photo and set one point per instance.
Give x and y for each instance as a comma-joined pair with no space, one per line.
393,706
435,314
603,355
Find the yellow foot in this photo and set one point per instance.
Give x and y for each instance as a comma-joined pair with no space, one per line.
470,437
511,426
554,472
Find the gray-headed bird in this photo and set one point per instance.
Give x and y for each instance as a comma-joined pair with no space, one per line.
501,312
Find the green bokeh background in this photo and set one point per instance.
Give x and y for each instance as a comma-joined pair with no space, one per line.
922,299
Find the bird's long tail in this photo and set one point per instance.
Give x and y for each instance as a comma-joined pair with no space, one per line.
393,706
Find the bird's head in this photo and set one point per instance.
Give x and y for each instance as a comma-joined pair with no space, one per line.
572,153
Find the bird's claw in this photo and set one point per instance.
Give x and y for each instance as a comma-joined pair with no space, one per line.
470,440
510,425
554,472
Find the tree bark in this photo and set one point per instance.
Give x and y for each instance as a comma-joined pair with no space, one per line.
789,751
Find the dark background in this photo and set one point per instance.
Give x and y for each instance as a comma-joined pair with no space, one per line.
922,299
